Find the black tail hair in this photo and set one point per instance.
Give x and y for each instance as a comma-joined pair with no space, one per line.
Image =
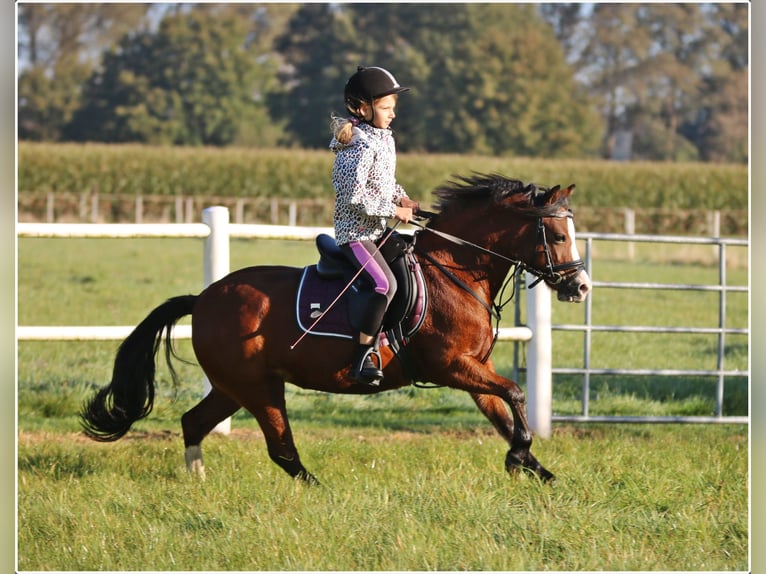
129,397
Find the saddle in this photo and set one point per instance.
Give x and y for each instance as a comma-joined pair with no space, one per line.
322,283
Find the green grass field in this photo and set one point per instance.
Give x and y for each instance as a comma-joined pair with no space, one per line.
627,498
413,478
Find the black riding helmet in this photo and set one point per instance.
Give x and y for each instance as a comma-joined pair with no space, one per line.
367,85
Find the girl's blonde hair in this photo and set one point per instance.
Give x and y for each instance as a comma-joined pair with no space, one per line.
342,129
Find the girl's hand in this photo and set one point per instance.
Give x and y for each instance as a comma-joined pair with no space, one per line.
407,202
404,214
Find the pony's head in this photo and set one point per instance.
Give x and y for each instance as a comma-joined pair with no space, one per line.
530,224
556,259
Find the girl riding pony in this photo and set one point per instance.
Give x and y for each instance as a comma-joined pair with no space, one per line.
367,195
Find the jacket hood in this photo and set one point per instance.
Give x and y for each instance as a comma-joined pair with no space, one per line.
360,134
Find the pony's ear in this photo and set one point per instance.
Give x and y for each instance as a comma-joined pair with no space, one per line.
558,193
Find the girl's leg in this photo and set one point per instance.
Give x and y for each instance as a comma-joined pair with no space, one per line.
364,255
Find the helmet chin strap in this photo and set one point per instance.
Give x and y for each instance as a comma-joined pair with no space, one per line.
372,109
361,116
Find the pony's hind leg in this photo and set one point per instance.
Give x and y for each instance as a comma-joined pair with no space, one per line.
199,421
269,409
519,455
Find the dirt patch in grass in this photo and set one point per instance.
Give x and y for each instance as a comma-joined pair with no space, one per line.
31,438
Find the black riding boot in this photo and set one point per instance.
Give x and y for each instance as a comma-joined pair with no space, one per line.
363,369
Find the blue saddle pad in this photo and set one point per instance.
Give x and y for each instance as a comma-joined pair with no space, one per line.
315,295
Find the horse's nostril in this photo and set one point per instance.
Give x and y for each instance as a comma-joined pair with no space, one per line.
584,288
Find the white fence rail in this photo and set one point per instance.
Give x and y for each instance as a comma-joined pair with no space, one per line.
216,231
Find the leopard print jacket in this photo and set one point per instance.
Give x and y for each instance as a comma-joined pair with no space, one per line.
366,192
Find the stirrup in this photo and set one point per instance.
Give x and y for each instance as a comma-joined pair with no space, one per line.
364,370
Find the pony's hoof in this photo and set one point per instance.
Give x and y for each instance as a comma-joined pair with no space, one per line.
546,476
194,465
515,464
308,478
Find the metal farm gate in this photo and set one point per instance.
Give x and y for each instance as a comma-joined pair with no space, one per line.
721,330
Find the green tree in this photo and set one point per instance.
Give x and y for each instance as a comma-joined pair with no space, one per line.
719,122
58,48
524,95
120,102
191,82
485,78
48,99
319,51
679,50
671,75
613,63
265,22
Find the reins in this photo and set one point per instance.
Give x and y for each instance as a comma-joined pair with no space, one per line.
458,240
553,273
493,309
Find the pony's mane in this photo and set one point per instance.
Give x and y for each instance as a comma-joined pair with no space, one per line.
466,191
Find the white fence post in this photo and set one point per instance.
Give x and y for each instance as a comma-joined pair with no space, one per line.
539,377
216,266
630,229
714,228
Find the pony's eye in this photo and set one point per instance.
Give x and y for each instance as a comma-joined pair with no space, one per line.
560,237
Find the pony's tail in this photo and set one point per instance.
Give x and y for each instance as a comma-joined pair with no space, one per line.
130,396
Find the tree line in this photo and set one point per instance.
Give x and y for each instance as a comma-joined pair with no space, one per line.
629,81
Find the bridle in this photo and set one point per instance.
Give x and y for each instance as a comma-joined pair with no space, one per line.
553,274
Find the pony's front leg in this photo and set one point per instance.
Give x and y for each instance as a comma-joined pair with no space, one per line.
492,392
519,455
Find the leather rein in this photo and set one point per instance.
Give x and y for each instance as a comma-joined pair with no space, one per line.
554,274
